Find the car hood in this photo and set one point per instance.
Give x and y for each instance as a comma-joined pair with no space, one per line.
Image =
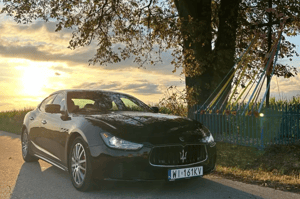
153,128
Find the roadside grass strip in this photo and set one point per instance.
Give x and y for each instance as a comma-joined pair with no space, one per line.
11,121
277,167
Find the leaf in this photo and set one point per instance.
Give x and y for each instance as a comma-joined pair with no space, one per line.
58,28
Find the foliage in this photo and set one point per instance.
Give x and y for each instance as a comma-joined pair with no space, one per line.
254,15
173,102
12,121
120,28
203,36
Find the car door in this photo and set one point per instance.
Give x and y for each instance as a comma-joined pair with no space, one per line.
37,130
57,133
53,138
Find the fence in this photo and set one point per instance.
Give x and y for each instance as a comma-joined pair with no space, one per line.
279,124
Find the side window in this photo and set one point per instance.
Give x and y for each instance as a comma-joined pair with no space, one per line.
114,106
130,105
60,99
47,101
83,102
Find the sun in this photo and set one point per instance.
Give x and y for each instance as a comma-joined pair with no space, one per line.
34,79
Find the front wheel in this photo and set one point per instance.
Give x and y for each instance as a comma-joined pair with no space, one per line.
80,166
26,148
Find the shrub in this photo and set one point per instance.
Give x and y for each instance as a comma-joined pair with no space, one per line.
173,102
11,121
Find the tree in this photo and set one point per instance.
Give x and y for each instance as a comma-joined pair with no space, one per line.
207,67
205,36
270,17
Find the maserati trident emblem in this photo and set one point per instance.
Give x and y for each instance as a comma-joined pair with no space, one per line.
182,155
181,139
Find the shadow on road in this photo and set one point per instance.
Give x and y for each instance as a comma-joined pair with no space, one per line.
10,135
35,181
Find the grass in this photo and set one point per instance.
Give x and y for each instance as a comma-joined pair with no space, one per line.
11,121
277,167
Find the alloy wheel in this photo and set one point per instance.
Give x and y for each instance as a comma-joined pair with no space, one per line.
78,163
24,144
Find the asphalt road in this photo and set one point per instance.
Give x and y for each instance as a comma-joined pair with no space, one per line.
42,180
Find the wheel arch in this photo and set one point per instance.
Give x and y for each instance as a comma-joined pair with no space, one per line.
90,135
22,129
72,137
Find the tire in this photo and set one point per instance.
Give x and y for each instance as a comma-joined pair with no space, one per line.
80,167
27,157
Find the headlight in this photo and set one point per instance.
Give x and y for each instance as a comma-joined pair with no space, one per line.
209,139
117,143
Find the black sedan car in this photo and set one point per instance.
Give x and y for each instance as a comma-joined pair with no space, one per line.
114,136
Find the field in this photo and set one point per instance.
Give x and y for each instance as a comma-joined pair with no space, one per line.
11,121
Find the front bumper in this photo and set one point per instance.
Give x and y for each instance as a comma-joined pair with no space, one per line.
115,164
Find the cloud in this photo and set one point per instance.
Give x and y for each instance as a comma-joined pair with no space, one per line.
35,54
6,78
113,86
35,33
141,87
39,42
86,85
38,45
5,104
62,69
98,85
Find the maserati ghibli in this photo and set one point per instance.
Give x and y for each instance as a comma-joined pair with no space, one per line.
106,135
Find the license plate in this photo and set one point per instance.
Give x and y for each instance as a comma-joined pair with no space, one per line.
174,174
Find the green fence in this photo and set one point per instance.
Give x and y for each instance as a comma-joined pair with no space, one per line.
279,124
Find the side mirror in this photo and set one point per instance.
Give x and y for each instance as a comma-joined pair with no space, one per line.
155,109
52,108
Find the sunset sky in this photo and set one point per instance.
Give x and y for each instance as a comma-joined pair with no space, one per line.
35,61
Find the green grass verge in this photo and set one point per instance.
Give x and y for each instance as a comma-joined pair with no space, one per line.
277,167
11,121
231,155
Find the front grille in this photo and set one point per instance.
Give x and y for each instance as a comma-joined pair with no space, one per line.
177,155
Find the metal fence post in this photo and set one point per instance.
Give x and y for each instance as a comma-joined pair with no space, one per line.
262,129
297,119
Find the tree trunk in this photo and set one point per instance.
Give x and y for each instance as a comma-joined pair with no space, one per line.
210,66
224,51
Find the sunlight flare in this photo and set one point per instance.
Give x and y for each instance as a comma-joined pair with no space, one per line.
34,79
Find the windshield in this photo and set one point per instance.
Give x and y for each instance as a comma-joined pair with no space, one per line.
97,101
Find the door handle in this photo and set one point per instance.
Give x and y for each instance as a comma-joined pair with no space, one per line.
44,122
64,130
31,118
